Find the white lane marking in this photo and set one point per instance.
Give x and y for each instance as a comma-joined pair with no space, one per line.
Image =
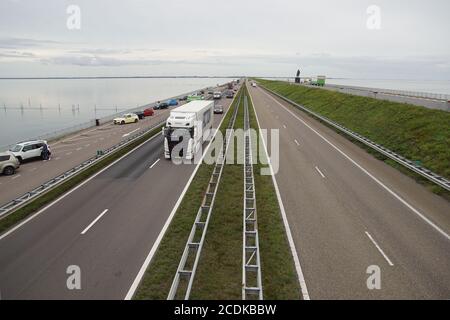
127,134
15,177
68,153
78,149
154,163
4,235
395,195
320,172
155,246
296,142
93,222
284,126
88,145
379,249
57,158
32,169
298,267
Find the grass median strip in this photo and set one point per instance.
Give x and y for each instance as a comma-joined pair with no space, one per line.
41,201
279,277
417,133
219,272
161,271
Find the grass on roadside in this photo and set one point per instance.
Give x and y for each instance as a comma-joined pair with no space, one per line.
417,133
22,213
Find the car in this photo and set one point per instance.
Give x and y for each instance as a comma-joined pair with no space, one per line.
218,108
172,102
29,150
254,84
126,118
229,94
184,98
217,95
149,112
195,96
8,163
162,105
210,92
140,114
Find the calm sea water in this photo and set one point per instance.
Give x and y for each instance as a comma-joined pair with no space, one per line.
432,86
30,108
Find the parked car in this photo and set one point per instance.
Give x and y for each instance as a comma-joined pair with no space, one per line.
162,105
126,118
29,150
140,114
218,108
172,102
195,96
184,98
149,112
8,163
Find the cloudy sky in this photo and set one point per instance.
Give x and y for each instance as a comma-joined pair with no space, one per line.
232,37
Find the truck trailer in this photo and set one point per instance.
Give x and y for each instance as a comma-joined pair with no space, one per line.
186,129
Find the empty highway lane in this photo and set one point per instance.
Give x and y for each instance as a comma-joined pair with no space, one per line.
350,213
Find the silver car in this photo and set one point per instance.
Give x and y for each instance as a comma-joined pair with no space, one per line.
8,163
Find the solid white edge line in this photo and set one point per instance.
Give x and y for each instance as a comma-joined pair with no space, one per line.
93,222
298,266
395,195
320,172
72,190
154,163
158,240
379,249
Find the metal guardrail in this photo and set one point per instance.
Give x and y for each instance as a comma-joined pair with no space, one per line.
187,267
251,263
15,204
424,172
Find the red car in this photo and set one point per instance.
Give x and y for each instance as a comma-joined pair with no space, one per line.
148,112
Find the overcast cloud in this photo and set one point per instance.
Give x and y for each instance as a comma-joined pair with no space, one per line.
207,37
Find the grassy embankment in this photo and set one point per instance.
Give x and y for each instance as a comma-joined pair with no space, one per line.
417,133
22,213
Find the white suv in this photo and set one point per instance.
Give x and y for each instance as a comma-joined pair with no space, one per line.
28,150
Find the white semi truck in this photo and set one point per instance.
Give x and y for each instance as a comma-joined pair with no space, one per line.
187,128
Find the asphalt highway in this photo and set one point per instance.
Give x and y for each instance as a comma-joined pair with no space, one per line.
349,211
106,227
